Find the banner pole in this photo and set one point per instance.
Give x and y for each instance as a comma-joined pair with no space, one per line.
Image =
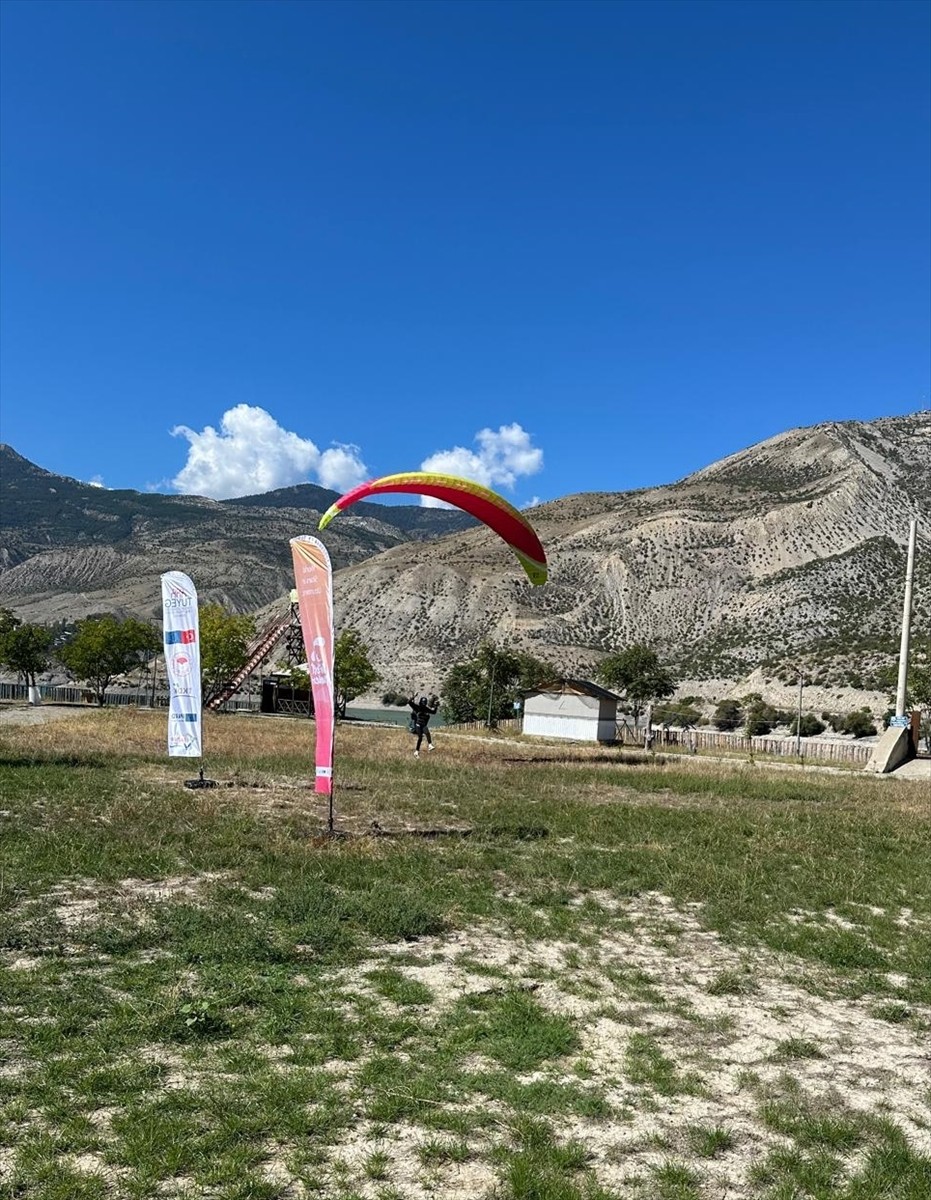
331,823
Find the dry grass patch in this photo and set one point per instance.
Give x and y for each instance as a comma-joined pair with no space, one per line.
630,980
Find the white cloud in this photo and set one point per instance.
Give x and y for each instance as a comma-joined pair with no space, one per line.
97,481
341,468
252,453
503,455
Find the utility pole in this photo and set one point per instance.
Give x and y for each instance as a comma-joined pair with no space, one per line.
798,719
906,622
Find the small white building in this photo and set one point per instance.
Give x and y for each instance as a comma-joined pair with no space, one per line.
571,708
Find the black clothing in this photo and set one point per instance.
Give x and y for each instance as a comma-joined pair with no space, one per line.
422,711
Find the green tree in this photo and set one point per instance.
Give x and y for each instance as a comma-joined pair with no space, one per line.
918,688
8,622
860,723
728,716
294,677
486,686
756,724
811,726
637,674
759,717
919,680
682,714
224,645
25,649
353,672
103,647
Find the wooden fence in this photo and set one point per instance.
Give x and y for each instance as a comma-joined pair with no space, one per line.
137,698
507,725
710,741
696,740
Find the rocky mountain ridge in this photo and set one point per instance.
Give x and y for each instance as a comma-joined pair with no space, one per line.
789,551
69,549
793,548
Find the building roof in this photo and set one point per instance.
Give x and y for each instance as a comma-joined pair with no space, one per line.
577,687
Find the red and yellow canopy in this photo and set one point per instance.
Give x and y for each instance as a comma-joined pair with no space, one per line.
481,502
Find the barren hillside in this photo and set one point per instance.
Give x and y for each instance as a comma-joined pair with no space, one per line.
794,545
68,549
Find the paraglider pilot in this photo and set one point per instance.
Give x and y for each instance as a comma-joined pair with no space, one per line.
421,712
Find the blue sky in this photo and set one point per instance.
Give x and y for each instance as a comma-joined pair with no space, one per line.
623,240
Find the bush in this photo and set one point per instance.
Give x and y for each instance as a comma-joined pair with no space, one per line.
757,724
860,723
811,726
760,716
681,714
396,698
728,715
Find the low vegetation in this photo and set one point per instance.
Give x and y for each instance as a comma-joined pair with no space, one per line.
523,972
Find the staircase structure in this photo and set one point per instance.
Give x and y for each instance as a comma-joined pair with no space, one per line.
278,627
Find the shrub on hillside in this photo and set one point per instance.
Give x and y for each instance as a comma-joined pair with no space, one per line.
680,714
757,724
811,726
759,717
860,723
728,715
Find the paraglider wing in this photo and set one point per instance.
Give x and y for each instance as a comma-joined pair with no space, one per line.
487,506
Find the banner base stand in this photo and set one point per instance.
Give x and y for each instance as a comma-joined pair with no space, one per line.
200,782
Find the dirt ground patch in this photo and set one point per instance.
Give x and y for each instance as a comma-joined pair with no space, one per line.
41,714
679,1033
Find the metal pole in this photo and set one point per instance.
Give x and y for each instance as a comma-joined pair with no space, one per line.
798,725
906,622
491,692
331,820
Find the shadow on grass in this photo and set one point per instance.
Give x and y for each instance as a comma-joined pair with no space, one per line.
619,758
520,833
97,761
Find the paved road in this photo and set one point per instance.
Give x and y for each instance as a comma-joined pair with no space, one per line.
916,768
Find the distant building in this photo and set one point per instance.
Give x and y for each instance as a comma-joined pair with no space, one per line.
279,695
573,709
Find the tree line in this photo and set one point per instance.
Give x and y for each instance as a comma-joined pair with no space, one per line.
101,649
487,687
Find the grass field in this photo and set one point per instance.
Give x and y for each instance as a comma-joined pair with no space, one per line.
529,974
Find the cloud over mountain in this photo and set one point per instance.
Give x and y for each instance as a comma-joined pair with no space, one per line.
503,455
252,453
